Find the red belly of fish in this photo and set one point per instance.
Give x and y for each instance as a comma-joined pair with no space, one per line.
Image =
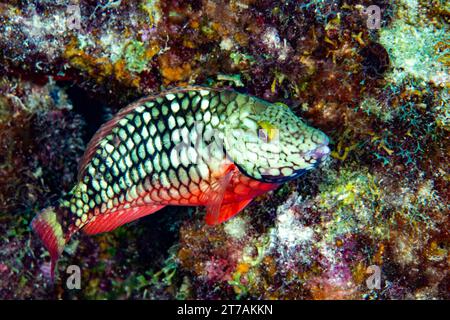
242,189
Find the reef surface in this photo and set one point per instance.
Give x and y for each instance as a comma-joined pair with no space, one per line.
378,85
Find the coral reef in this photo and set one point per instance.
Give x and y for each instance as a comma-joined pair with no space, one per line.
383,200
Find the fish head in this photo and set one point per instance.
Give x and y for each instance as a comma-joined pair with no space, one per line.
269,143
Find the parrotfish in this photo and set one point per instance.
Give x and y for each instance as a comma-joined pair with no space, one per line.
192,146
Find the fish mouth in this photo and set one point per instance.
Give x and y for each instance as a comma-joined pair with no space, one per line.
319,154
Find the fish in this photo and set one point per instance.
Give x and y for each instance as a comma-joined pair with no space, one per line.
192,146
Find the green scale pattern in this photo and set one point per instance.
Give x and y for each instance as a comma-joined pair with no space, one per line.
139,156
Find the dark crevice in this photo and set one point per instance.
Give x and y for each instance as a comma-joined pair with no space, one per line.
93,111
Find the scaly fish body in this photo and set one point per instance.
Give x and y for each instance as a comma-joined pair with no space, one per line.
193,146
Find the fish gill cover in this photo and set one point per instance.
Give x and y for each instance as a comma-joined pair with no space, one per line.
372,75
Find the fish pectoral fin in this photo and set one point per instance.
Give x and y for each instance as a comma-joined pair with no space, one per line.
226,212
215,196
109,221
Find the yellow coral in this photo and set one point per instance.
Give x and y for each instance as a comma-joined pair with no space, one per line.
243,268
171,72
100,69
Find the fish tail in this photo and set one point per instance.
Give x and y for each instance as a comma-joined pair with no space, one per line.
48,226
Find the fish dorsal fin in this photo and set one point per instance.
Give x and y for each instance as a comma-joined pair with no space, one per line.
107,127
104,130
226,212
110,221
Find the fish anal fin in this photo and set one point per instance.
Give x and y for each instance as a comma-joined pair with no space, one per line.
110,221
226,212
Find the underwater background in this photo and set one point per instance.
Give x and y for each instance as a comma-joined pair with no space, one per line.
373,75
